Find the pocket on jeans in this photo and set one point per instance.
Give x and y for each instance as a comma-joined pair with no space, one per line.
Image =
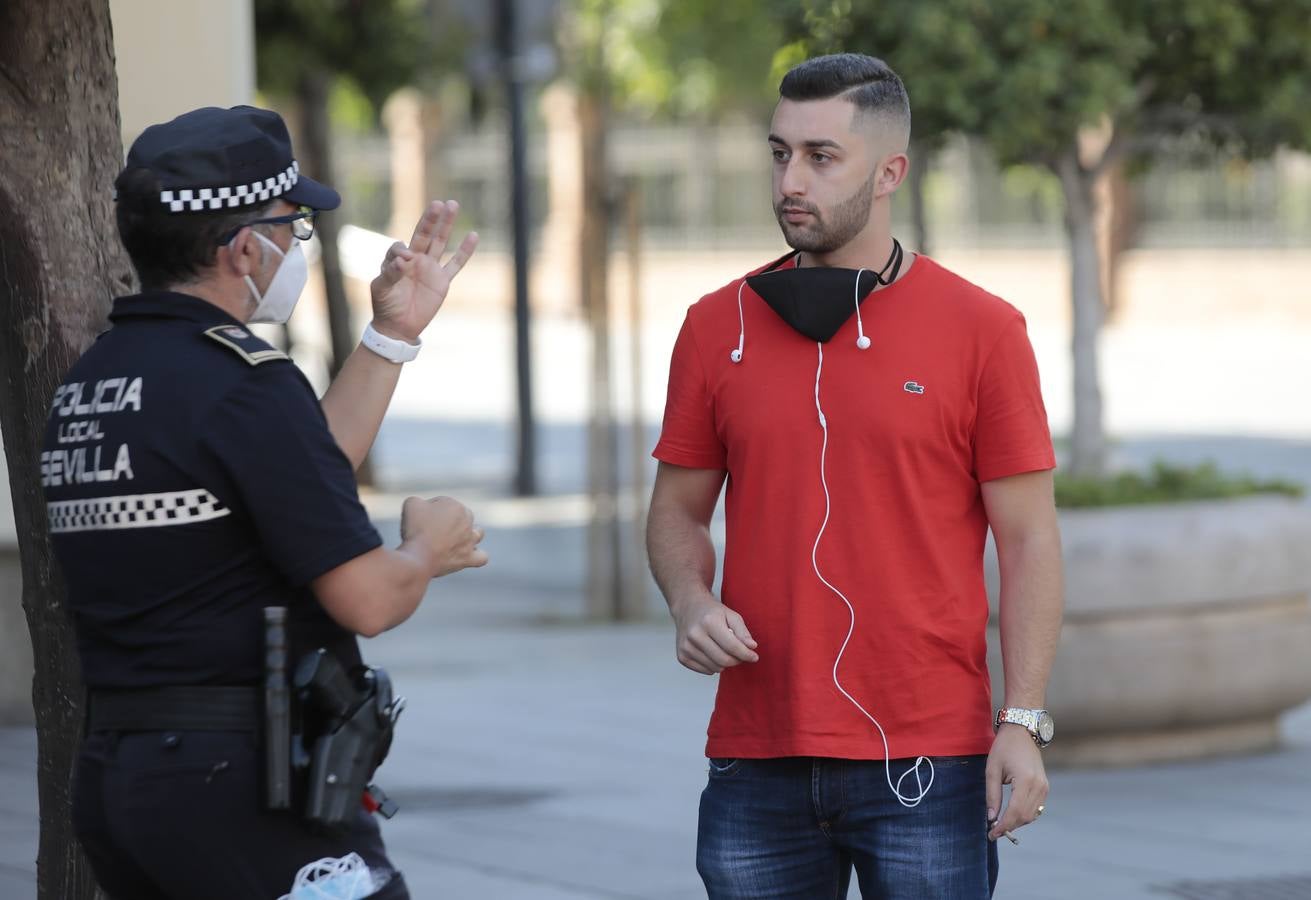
722,767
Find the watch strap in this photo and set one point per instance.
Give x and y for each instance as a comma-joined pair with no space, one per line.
1027,718
389,349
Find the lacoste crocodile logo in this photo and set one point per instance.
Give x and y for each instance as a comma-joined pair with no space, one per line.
913,387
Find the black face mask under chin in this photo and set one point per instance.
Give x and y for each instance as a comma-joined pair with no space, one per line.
817,302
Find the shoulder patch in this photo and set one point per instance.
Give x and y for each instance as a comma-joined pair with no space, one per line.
246,345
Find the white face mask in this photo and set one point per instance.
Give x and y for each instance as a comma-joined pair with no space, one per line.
274,308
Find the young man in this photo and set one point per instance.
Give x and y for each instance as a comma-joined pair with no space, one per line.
873,415
194,480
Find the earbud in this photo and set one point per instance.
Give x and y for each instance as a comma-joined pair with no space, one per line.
862,342
736,355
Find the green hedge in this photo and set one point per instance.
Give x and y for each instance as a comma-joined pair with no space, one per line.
1166,483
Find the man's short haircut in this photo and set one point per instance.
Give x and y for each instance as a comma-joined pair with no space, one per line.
867,82
168,248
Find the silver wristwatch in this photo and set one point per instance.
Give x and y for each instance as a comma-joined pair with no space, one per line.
1038,722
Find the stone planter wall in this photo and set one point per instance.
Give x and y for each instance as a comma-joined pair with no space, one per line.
1187,630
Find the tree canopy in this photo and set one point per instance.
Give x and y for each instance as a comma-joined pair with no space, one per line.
693,58
1077,86
378,45
1028,75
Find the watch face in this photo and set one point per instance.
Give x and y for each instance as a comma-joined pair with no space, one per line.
1046,728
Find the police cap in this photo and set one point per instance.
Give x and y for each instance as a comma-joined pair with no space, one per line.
214,159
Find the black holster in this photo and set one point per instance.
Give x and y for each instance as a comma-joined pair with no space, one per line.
355,716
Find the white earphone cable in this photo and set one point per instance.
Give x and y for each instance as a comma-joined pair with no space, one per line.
907,800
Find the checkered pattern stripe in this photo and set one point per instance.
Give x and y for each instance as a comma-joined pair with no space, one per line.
198,199
135,511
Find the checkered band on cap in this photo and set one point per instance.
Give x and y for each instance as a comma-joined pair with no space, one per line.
135,511
211,198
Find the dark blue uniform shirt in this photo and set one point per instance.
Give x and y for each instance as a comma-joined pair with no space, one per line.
191,481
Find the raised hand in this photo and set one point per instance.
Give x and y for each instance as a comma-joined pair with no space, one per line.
413,281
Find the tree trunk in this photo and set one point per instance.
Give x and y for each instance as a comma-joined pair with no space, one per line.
60,264
1088,439
921,157
603,548
316,161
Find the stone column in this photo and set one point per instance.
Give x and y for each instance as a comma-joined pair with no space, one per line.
558,260
407,118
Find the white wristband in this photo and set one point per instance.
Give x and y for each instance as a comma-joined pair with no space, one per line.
389,349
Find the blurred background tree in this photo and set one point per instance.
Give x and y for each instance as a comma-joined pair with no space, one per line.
645,59
1078,86
305,49
691,60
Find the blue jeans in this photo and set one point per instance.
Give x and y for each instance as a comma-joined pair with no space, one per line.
796,827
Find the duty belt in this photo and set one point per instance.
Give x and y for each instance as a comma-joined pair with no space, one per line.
175,708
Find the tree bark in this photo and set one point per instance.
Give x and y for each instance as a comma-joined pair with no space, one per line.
60,265
316,161
921,156
604,581
1088,439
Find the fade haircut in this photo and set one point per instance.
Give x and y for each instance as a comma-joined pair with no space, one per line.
869,84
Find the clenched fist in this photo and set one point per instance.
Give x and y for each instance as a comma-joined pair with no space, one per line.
712,637
446,528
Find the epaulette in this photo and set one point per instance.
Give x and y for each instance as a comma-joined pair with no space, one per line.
246,345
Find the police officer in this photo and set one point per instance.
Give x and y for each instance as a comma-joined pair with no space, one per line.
193,479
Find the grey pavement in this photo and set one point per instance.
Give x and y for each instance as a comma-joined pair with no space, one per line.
545,758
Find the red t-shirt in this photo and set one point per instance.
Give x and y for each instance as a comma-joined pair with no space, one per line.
946,397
